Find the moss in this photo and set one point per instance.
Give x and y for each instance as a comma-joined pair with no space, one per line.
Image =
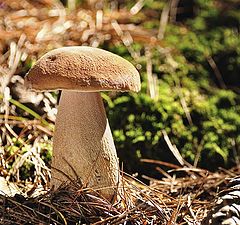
191,107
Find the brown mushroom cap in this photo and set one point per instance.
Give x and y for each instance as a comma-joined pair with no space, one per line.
83,68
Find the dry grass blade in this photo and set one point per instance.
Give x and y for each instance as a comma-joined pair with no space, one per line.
163,21
174,150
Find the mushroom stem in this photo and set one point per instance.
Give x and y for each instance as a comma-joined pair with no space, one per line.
83,142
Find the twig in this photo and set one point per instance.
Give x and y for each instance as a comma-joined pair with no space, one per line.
137,7
174,150
163,21
152,84
163,172
198,153
173,10
184,105
216,71
160,163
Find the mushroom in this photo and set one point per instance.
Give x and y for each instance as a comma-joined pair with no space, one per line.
83,142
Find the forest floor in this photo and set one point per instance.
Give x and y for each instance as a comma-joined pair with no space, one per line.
184,195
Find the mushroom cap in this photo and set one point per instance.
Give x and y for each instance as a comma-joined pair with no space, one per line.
82,68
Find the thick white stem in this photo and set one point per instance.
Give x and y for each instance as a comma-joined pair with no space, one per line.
83,139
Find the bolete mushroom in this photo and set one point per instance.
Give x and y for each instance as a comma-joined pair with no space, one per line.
83,140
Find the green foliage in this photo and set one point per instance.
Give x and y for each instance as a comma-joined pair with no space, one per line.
138,121
200,118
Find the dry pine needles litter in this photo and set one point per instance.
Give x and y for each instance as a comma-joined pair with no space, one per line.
172,200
